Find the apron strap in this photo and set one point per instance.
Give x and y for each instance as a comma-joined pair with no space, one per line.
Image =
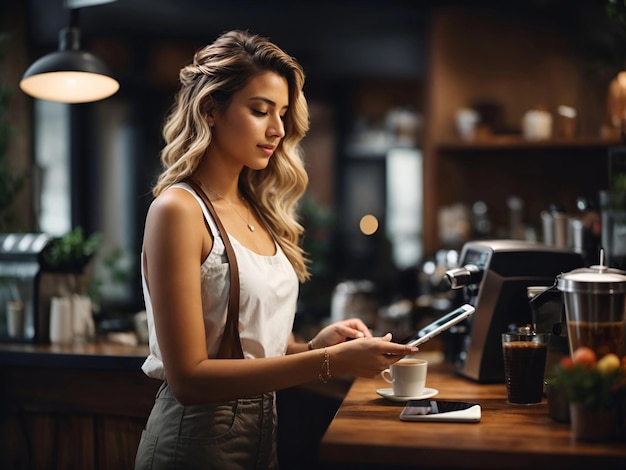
230,346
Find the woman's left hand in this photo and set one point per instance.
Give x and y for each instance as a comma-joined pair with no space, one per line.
341,331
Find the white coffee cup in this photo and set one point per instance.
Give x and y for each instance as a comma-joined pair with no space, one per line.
407,377
15,318
61,320
537,125
466,122
82,321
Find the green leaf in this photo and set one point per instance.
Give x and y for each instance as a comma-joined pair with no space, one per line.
72,251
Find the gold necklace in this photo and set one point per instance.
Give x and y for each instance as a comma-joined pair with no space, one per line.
247,222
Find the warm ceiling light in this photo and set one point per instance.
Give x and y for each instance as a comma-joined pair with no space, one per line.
69,75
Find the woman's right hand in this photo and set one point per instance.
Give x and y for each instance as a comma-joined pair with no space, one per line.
366,357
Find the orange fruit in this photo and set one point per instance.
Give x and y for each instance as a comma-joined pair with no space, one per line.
566,362
584,356
608,363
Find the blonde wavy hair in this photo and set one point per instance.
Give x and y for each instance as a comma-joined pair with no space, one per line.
217,72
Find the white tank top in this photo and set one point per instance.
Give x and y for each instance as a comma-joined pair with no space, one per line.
269,292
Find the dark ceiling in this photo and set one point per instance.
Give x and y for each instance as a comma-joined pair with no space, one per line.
304,18
198,18
333,37
381,37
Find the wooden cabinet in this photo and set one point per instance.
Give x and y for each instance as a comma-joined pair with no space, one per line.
72,407
508,65
84,406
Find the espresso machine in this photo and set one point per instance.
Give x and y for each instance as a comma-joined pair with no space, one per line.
495,276
25,289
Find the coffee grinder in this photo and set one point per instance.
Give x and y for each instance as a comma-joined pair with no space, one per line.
495,276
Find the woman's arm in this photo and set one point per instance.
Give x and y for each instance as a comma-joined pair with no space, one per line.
175,242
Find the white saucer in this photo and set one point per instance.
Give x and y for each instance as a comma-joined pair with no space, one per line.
388,393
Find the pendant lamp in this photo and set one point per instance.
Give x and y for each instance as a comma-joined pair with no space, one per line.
69,75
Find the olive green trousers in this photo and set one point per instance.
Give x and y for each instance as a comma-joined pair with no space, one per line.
237,434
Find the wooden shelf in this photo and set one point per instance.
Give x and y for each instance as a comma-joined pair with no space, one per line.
471,62
517,142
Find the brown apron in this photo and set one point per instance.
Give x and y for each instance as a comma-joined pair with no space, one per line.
236,434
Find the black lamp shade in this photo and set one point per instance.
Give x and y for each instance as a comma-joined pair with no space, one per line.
69,75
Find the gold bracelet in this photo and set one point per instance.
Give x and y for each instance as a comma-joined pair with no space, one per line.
311,348
325,374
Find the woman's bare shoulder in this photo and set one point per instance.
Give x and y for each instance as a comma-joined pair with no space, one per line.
174,201
174,211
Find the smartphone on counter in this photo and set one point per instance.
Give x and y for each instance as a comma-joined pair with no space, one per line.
442,411
439,325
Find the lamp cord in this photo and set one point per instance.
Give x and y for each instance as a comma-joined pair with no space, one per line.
73,15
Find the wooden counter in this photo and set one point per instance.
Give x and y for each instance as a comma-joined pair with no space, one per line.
77,406
101,355
367,433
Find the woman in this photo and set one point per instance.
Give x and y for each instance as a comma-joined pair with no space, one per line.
234,132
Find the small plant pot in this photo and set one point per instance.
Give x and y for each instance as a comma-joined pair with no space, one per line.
592,425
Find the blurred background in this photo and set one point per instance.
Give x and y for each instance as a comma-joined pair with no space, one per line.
426,132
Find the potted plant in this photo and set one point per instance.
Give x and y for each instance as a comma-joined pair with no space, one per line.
596,390
71,252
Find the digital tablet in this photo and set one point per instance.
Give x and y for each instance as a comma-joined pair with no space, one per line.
441,410
439,325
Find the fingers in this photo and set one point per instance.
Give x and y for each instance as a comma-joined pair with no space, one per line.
348,332
403,348
356,328
362,328
389,348
395,349
353,334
